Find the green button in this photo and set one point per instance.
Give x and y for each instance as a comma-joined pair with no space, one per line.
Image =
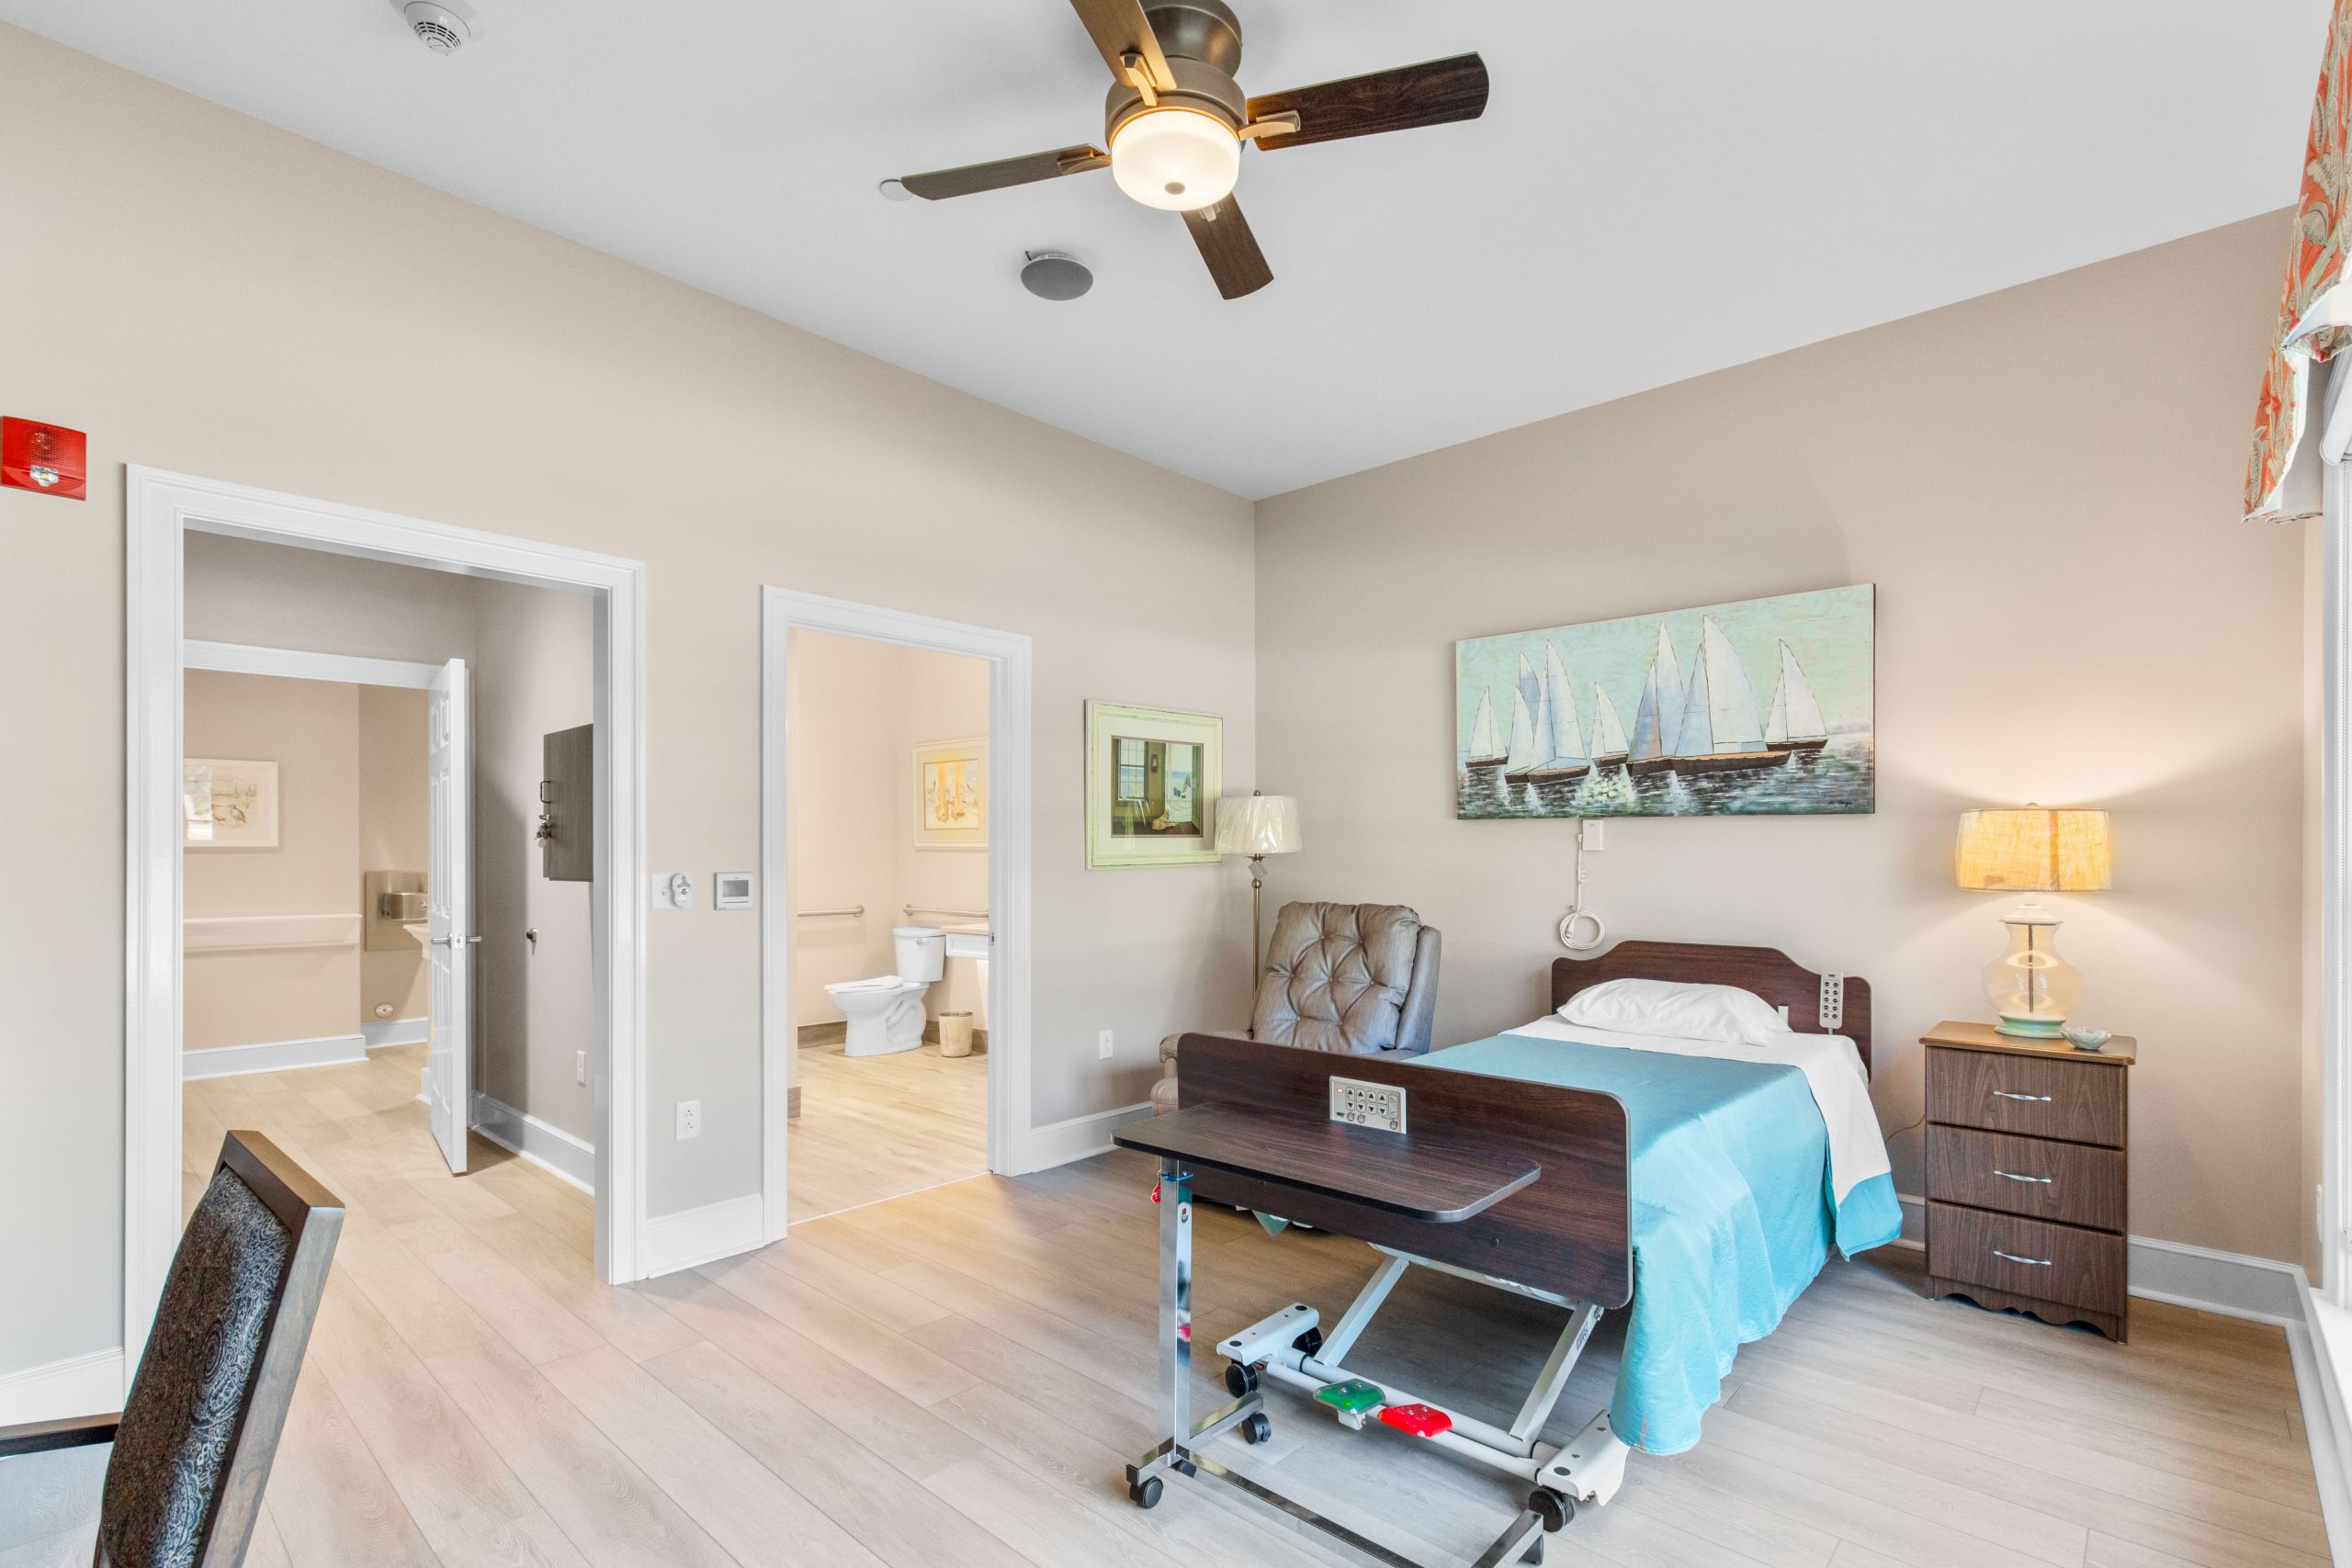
1353,1395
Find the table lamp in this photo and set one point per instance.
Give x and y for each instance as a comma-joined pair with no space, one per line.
1259,825
2037,851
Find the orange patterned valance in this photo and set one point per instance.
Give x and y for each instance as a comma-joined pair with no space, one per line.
2315,313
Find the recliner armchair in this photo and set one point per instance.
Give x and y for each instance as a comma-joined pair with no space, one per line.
1355,979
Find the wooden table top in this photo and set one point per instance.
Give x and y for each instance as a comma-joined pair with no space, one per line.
2122,1049
1422,1180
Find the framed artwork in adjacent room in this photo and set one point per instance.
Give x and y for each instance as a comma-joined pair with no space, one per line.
1153,776
952,795
229,804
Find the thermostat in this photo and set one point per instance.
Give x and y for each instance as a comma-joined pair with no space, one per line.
730,889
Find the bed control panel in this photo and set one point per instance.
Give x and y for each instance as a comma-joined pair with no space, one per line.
1380,1106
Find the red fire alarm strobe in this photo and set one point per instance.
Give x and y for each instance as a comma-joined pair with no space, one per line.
45,458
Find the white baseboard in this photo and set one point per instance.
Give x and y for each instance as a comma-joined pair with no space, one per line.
672,1242
381,1033
1080,1137
275,1056
2230,1283
90,1384
546,1145
2321,1351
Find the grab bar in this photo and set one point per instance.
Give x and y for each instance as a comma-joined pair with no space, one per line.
910,910
827,914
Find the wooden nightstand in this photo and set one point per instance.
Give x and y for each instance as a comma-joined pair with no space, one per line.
2028,1197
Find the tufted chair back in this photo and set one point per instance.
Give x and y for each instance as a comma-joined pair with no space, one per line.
1355,978
193,1448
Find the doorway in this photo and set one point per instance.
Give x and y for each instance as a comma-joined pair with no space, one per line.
989,936
162,510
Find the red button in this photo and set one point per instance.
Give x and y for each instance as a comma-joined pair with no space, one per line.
1421,1420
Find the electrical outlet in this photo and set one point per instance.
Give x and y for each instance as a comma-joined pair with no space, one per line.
1103,1045
580,1068
1360,1103
689,1119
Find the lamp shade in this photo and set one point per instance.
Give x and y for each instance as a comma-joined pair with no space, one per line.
1257,825
2030,849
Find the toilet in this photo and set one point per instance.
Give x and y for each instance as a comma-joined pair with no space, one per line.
885,1013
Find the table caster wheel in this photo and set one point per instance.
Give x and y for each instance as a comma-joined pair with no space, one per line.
1308,1343
1553,1508
1257,1428
1240,1380
1144,1493
1184,1467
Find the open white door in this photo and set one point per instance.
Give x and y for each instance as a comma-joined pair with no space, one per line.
448,764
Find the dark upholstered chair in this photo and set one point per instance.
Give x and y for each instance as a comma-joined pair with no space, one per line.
1357,978
193,1444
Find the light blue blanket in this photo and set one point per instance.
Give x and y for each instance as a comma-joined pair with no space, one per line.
1733,1213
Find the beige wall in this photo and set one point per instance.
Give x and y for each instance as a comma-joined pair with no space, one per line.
395,829
844,720
858,709
533,672
942,696
221,298
2044,486
310,729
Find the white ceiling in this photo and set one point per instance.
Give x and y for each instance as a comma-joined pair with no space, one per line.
1656,190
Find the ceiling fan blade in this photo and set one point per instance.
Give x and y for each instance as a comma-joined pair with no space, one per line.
940,184
1230,248
1432,92
1120,29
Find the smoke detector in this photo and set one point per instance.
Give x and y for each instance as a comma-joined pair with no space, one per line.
1049,274
444,26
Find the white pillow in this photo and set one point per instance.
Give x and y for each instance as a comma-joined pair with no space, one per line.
1678,1010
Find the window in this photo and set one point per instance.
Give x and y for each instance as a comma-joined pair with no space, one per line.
1129,787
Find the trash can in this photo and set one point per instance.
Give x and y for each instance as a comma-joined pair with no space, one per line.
955,1034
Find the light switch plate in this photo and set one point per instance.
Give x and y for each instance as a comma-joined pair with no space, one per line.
1360,1103
672,890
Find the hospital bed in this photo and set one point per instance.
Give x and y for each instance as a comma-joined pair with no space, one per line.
1554,1170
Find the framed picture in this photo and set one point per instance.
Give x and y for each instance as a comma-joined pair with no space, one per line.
1764,706
952,795
229,805
1152,781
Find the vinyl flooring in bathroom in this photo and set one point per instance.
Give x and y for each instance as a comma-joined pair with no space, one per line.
876,1127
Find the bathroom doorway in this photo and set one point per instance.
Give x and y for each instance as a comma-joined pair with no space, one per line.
895,850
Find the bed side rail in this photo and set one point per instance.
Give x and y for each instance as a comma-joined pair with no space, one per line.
1568,1231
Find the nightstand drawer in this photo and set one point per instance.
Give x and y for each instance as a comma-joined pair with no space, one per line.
2027,1258
2038,1178
2042,1097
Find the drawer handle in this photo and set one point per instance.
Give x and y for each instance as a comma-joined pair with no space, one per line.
2037,1262
2013,1175
2005,1094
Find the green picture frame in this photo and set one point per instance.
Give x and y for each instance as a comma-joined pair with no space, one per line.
1153,778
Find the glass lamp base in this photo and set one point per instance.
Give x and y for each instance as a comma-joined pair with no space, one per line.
2031,1028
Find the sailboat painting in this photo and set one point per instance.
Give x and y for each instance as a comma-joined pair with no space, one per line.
1766,706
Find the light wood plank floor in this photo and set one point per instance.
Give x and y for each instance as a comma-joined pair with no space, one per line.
876,1127
954,1377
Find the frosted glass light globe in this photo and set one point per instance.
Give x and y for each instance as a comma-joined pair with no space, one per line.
1175,159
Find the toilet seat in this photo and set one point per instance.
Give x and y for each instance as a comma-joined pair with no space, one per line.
880,984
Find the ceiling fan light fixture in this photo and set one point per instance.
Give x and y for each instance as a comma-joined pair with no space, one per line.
1175,159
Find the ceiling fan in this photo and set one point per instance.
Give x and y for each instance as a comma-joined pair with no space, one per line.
1176,119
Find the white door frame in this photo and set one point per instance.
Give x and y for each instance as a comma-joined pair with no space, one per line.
160,509
1009,726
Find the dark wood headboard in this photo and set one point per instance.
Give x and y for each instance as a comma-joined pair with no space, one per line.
1767,971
